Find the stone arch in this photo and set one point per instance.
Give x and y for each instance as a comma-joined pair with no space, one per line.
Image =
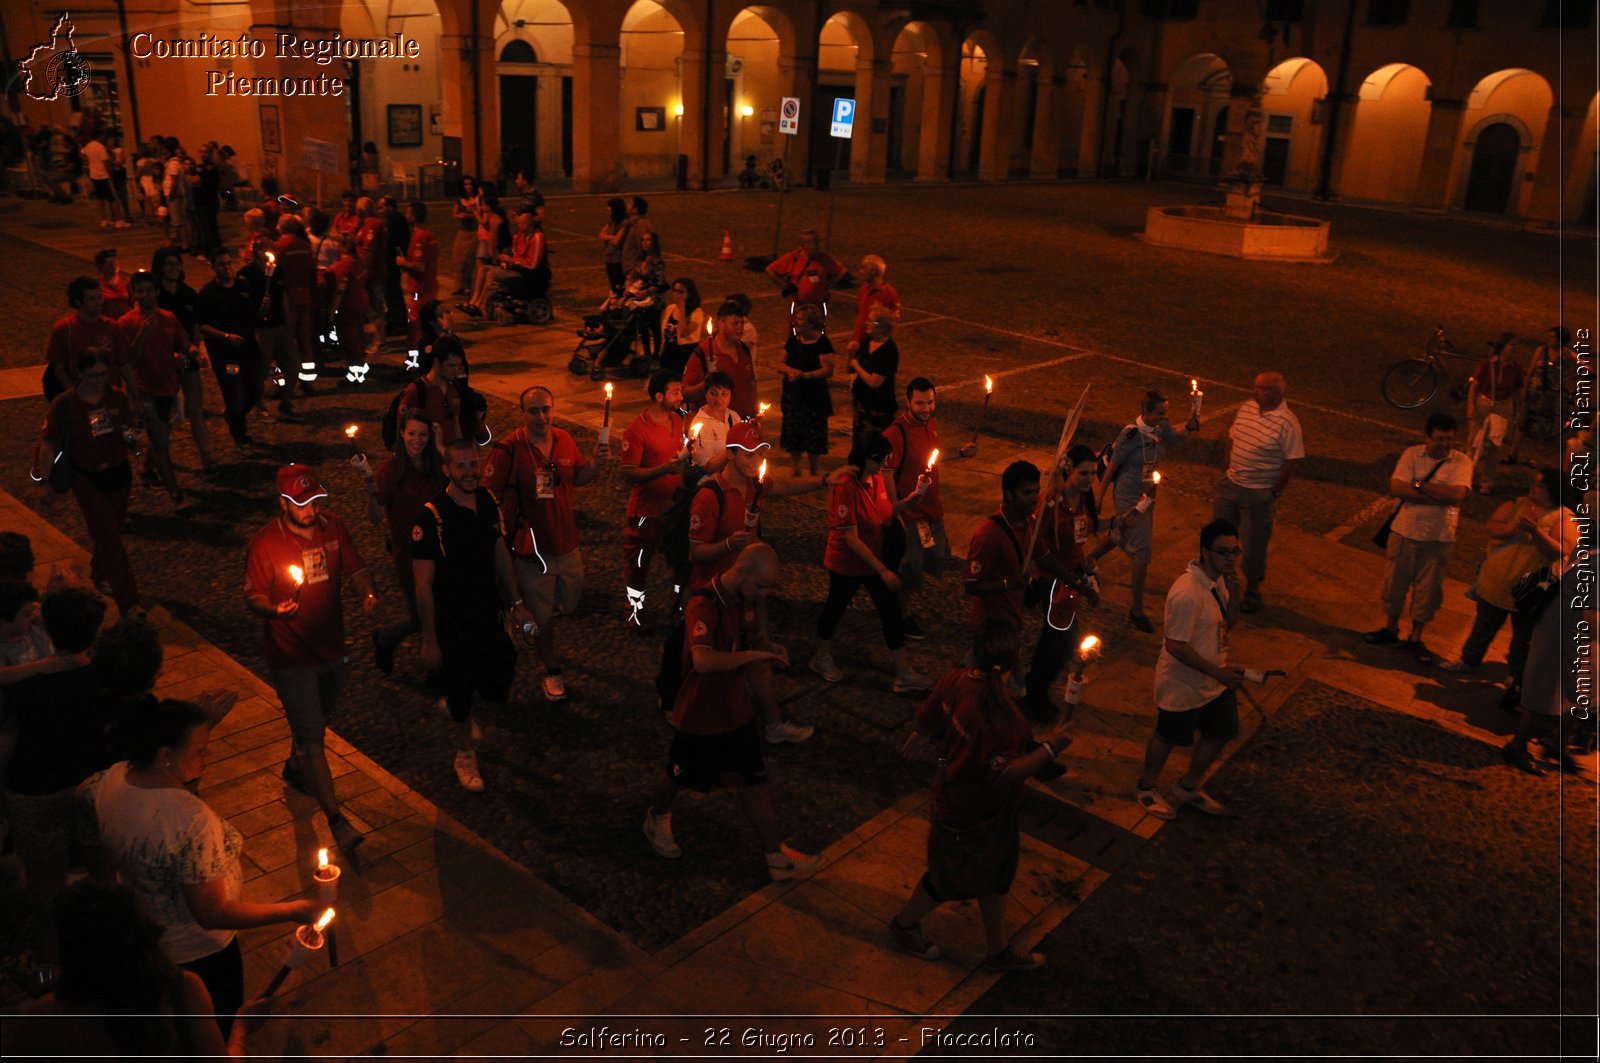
1037,145
1198,93
649,124
1294,142
1080,114
440,73
919,103
1382,157
1582,182
533,41
760,45
847,67
1513,100
979,71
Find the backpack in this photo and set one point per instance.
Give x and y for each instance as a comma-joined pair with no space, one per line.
1102,460
669,676
675,521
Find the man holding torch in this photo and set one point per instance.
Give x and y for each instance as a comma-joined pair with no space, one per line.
914,452
654,456
294,571
534,471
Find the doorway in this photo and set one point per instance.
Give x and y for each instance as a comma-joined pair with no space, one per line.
1494,169
1275,161
519,109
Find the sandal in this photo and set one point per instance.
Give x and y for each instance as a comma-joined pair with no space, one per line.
1420,651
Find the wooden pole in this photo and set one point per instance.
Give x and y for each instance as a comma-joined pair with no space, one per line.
1069,428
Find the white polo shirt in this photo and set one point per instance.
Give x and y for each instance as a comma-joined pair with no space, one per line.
1196,614
1263,443
713,438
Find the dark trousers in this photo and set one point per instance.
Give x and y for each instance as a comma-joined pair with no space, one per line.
238,372
843,588
104,512
650,330
1486,625
223,974
1049,657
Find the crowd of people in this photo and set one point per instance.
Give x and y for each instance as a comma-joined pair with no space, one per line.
486,553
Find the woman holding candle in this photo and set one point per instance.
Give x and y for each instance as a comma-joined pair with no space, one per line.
178,856
1133,474
807,367
858,512
395,495
987,755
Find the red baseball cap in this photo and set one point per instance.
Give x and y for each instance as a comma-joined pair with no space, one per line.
746,435
300,485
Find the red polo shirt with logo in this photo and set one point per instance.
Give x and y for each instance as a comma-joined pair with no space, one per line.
645,445
720,703
155,362
911,442
315,634
536,488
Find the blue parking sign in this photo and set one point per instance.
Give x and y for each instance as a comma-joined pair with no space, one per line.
844,116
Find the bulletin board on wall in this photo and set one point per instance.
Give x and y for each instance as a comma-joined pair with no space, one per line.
271,131
405,125
650,119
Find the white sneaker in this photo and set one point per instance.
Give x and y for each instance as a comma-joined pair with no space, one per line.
467,772
554,688
822,664
1198,800
1152,802
658,832
787,863
911,681
788,731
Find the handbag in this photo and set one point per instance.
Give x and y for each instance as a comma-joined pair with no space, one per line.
1532,592
1381,536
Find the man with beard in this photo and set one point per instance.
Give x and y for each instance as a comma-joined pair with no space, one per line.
294,570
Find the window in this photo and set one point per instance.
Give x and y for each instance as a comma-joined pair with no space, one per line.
1387,12
1463,15
1175,9
1567,14
1280,123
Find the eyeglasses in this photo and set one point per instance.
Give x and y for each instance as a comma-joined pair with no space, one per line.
1230,551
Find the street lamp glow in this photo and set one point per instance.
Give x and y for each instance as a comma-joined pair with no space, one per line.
678,110
746,111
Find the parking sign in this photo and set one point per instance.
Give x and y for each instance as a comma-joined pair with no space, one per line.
789,116
844,116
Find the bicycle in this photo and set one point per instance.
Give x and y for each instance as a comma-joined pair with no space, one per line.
1413,382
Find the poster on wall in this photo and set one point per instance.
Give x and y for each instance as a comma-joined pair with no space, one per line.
405,125
271,138
650,119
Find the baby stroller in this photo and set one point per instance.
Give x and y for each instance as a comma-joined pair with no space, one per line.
609,340
524,297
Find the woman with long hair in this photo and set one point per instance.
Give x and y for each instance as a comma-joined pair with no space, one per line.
987,754
118,993
395,495
859,554
178,856
683,324
465,251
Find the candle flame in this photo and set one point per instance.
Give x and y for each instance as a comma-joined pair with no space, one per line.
762,408
711,325
272,259
1155,477
297,574
932,458
1089,644
761,473
608,391
322,922
322,859
988,385
350,431
694,430
1194,385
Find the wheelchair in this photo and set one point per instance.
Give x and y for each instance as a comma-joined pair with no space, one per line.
525,299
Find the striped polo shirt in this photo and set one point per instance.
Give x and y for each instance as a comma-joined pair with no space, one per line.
1262,442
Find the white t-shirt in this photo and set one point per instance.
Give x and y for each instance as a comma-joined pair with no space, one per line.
98,157
164,839
1263,443
713,439
1424,523
1194,615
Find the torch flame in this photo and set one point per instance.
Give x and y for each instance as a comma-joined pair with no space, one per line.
1155,477
1194,385
694,430
1089,644
711,325
322,859
608,391
351,430
762,408
322,923
932,458
272,259
988,384
297,574
761,473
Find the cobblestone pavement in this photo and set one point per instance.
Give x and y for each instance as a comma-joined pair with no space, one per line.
1381,889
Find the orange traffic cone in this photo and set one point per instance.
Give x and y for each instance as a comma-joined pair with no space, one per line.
727,245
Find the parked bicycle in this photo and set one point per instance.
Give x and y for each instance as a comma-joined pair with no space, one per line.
1414,382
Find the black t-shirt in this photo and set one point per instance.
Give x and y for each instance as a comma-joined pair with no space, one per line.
253,279
461,543
231,310
180,302
61,731
399,232
883,361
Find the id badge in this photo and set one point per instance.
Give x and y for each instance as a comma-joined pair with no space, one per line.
1149,476
544,482
925,535
1080,528
100,422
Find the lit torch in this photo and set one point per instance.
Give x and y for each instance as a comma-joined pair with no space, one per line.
694,433
350,433
1088,649
327,878
752,513
933,459
272,263
1146,500
605,417
762,408
298,575
307,941
1195,398
983,413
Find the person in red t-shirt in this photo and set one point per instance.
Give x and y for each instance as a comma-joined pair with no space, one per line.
533,471
875,293
1492,405
436,395
419,267
302,626
87,330
654,456
348,300
156,344
996,574
715,739
96,420
805,274
858,554
113,284
296,273
986,756
348,221
913,437
723,350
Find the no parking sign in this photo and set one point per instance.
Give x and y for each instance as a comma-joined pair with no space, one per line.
789,116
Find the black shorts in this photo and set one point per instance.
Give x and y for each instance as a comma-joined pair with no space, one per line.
485,664
101,188
164,405
1217,718
704,762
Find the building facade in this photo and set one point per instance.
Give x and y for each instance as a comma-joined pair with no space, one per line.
1442,105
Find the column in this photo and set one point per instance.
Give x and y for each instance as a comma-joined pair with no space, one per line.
1151,125
1046,160
940,86
800,76
1558,157
869,143
1336,149
596,96
702,142
999,100
1438,155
